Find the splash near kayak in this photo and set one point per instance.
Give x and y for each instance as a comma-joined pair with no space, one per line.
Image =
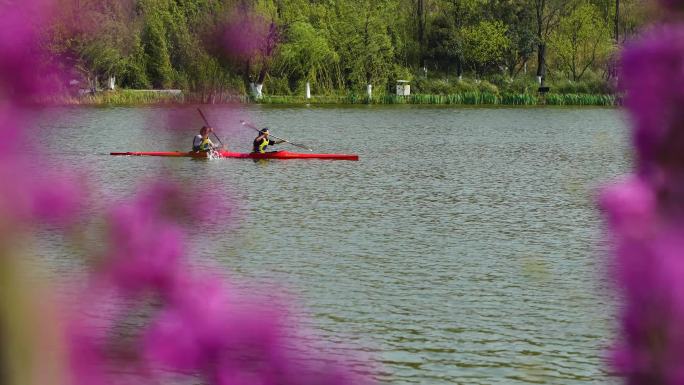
251,155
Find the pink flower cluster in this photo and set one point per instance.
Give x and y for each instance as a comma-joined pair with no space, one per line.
191,323
144,315
645,214
249,35
47,196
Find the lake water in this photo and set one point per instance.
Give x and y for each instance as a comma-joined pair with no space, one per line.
463,247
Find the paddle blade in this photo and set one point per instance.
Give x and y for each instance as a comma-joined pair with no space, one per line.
247,124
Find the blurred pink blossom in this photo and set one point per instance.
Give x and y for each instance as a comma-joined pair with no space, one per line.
195,323
646,214
47,196
653,79
19,41
144,312
630,208
248,34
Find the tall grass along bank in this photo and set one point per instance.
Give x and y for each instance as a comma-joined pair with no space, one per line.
464,98
473,98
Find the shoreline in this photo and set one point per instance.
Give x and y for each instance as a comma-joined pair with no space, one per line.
479,99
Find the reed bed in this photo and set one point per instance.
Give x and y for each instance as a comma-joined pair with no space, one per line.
581,100
465,98
130,97
145,97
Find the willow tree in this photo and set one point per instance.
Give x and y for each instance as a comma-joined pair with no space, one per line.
97,38
306,55
156,46
251,37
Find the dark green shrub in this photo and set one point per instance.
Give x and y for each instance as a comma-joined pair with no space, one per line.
486,87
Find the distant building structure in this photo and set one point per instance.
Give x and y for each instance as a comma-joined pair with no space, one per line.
403,88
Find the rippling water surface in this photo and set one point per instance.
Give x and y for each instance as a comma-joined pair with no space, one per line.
463,248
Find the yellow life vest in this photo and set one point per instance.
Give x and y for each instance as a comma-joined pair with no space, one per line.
262,146
206,145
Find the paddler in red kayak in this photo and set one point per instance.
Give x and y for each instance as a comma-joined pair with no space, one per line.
262,141
202,142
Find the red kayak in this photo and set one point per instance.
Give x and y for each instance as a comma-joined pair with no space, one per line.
251,155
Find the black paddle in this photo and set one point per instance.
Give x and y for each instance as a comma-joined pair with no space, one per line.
209,125
250,125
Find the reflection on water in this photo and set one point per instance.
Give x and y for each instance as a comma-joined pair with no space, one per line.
461,249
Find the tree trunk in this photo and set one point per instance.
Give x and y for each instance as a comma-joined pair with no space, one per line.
262,74
421,31
256,89
617,21
541,48
541,61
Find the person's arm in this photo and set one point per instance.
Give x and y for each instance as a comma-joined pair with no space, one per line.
214,146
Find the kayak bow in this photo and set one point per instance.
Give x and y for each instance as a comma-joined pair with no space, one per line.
251,155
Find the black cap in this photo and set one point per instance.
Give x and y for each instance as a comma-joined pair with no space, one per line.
264,130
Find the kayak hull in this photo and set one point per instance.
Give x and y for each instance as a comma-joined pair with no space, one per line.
242,155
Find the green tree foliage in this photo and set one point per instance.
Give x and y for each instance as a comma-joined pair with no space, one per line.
484,45
581,40
306,55
156,47
517,16
93,36
445,45
133,72
337,45
361,37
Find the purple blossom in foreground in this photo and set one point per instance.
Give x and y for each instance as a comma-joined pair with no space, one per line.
232,340
245,34
672,5
19,44
630,208
652,347
145,247
189,323
41,196
653,77
96,357
144,315
645,214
